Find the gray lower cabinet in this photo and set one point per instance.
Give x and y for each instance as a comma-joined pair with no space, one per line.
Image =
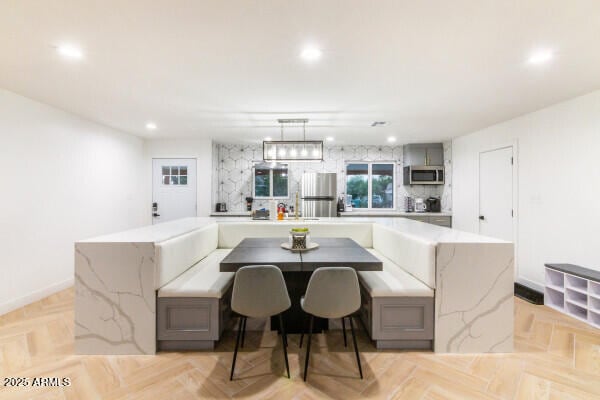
440,221
191,323
398,322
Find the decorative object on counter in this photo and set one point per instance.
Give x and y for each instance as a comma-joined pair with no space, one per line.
272,210
260,214
293,150
348,205
221,207
249,201
340,203
434,204
409,204
420,205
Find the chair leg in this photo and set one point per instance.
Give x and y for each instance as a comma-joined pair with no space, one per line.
244,330
283,334
284,344
344,330
237,343
355,347
310,329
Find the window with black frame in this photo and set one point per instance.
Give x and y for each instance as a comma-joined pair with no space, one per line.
270,180
371,184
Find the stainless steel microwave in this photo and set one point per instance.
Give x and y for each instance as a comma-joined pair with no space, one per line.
423,175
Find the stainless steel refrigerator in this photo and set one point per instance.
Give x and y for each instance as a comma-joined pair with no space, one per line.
319,191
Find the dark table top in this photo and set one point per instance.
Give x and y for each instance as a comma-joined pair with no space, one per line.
332,252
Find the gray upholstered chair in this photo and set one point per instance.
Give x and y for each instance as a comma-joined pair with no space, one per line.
332,292
259,291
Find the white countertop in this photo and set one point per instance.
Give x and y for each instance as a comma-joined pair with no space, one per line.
358,213
164,231
154,233
231,214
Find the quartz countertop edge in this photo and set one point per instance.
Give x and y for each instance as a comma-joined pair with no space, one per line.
394,214
168,230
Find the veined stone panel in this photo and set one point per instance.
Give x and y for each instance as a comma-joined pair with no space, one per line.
474,298
115,306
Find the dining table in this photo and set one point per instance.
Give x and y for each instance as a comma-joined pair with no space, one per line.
297,267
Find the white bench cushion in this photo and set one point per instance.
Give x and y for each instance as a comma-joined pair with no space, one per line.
202,280
393,281
414,255
176,255
232,233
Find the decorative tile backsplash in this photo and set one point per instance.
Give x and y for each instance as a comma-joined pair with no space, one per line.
232,173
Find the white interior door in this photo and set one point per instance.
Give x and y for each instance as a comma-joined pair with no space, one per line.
173,189
496,193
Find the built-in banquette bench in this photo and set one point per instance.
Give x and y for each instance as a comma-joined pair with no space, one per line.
193,296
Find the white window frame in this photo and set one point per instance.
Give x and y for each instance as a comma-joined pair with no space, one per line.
369,183
271,197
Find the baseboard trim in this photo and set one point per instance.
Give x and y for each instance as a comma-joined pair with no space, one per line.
35,296
528,294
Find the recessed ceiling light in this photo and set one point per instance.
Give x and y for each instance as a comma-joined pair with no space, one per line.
329,138
540,57
70,51
311,54
268,139
391,139
151,126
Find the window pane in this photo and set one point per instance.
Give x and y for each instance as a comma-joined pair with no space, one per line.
382,185
280,182
357,185
261,182
174,180
166,180
183,180
174,170
182,170
166,171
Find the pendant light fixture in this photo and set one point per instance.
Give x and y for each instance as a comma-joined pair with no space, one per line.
293,150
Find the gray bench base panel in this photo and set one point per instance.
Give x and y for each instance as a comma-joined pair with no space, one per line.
398,322
404,344
178,345
191,323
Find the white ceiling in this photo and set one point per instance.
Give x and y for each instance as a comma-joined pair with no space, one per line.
227,70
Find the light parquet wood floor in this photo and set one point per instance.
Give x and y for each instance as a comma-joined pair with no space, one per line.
556,357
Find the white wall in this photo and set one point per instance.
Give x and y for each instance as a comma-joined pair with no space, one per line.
200,149
558,200
63,178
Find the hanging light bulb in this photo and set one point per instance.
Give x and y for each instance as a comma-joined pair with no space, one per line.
304,153
293,153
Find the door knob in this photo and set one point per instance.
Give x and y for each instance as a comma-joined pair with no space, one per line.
481,217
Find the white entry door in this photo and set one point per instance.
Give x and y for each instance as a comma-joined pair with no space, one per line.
173,189
496,193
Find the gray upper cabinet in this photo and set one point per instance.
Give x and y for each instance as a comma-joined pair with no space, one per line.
423,154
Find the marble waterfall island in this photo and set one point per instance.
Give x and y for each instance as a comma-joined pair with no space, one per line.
117,276
115,289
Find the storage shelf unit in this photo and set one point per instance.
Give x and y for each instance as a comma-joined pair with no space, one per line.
574,291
